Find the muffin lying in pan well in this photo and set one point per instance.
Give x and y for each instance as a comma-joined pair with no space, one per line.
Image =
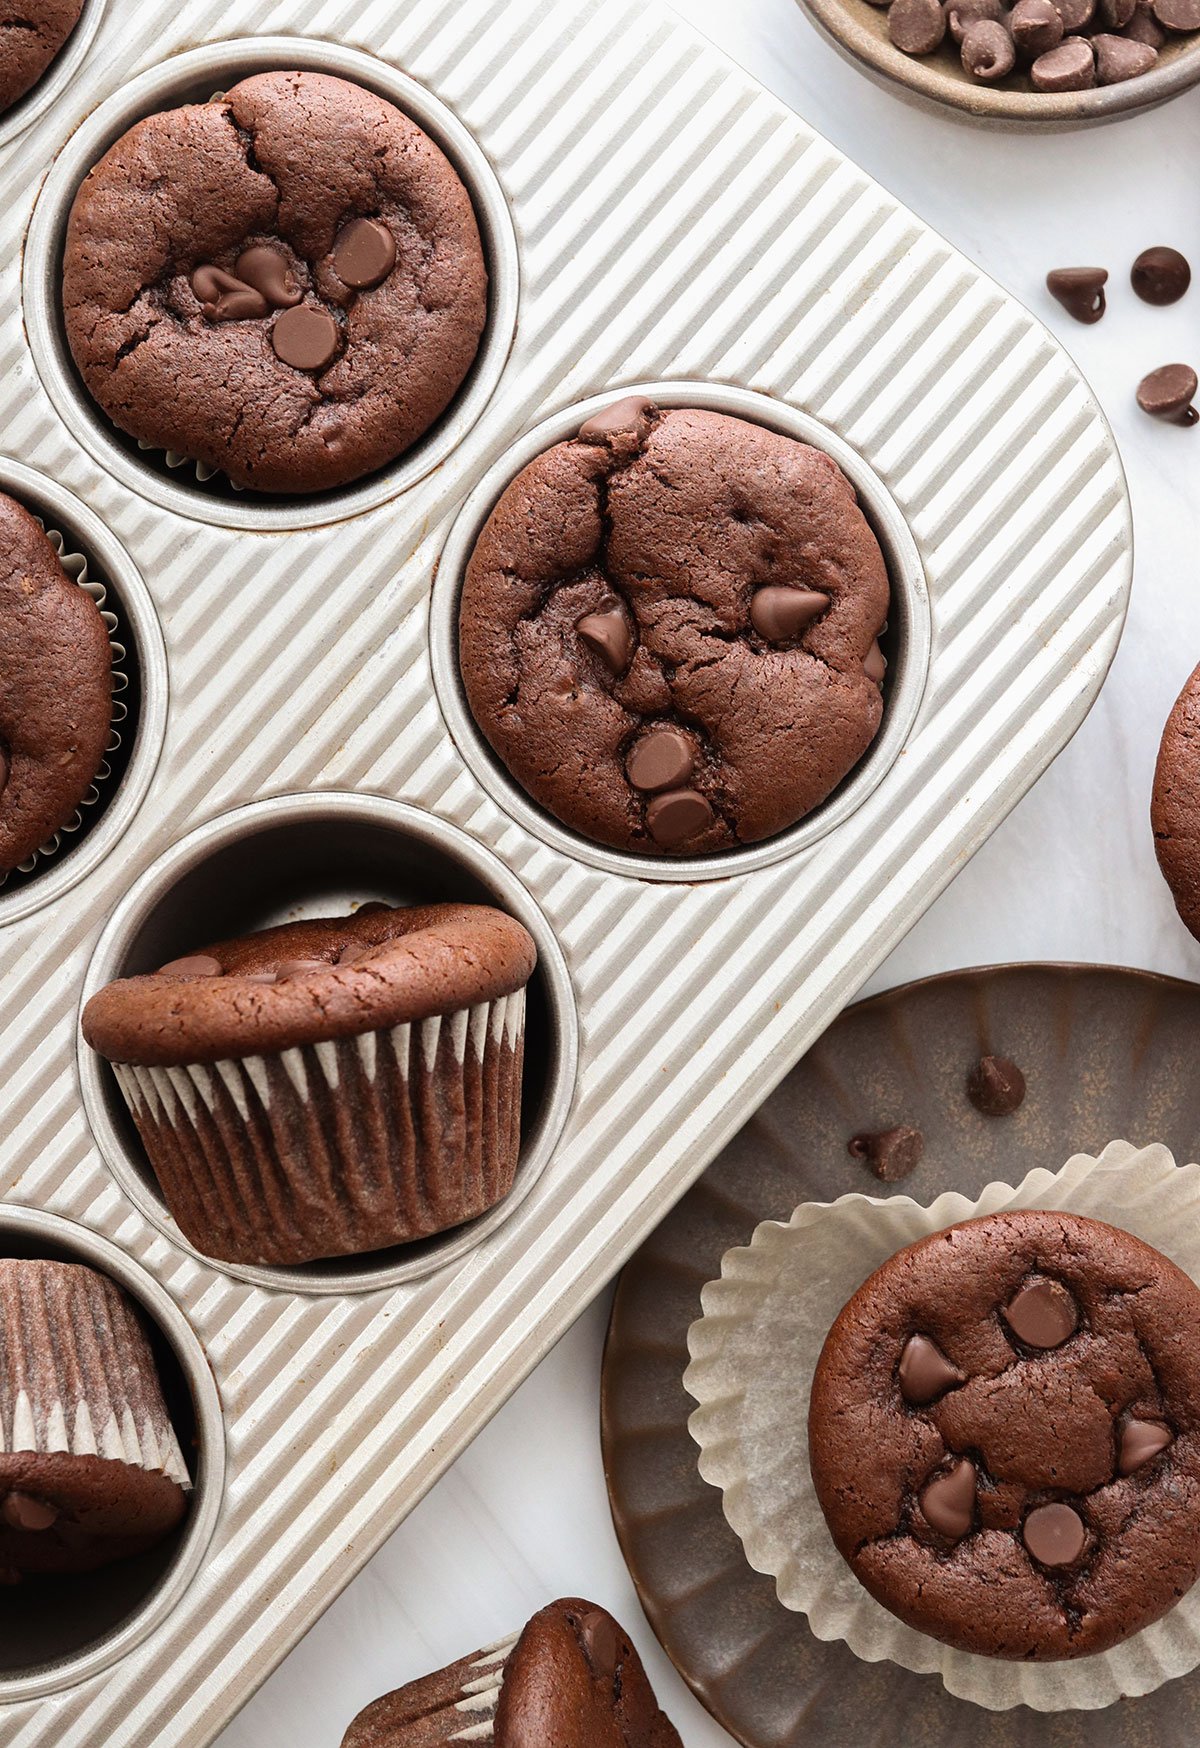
31,35
328,1087
669,630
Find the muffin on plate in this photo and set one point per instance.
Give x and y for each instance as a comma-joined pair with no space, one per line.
571,1679
90,1467
1005,1435
55,689
285,285
669,630
1175,805
328,1087
31,36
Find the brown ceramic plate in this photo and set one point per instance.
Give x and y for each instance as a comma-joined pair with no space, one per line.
1109,1055
859,30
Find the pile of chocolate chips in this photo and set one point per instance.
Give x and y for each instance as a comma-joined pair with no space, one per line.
1159,276
1063,45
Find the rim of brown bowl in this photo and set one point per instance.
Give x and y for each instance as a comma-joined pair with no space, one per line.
858,30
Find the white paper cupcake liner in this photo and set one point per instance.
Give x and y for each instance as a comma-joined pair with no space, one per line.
338,1148
75,565
481,1695
753,1355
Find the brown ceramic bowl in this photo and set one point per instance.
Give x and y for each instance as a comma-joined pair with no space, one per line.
859,31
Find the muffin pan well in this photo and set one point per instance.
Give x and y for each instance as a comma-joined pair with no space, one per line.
66,67
673,225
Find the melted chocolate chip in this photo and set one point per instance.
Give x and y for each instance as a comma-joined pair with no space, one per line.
225,298
948,1502
300,968
364,254
892,1154
925,1372
1141,1442
5,768
1080,291
1054,1534
267,270
875,665
1043,1314
305,337
627,417
780,615
675,817
21,1511
996,1086
191,965
601,1646
662,759
607,632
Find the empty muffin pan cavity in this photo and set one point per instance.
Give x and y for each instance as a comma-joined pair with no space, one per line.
310,855
905,644
168,479
62,73
93,558
60,1630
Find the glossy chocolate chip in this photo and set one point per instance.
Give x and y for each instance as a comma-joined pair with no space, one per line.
1178,14
917,27
948,1502
1118,59
1036,26
680,814
988,52
1144,27
1115,14
1069,67
1160,275
875,664
364,254
780,615
996,1086
1043,1314
191,965
962,14
608,633
1080,291
925,1372
305,337
1141,1442
629,416
892,1154
661,759
1054,1534
225,298
267,270
21,1511
1168,394
601,1646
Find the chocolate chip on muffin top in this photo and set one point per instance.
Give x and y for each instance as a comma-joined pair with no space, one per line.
287,284
31,34
668,629
1005,1435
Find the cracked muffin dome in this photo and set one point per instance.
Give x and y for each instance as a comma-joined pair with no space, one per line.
1175,804
285,285
31,34
1005,1435
669,630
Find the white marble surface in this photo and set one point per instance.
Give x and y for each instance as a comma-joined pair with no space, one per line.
523,1516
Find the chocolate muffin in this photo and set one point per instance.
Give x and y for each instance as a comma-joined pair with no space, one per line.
55,689
668,630
328,1087
31,34
1175,804
572,1679
90,1468
286,285
1005,1435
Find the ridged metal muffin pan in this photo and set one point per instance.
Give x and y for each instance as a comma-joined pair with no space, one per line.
670,223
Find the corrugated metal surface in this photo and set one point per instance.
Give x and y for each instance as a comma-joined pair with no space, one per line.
673,221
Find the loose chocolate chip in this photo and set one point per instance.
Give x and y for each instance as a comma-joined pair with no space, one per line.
1178,14
607,632
1080,291
191,965
875,664
925,1372
1076,14
600,1644
300,968
1069,67
962,14
1036,26
1144,27
225,298
627,417
1160,275
1168,394
267,270
662,759
678,815
949,1501
996,1086
364,254
21,1511
892,1154
1115,14
1054,1534
1043,1314
779,615
1118,59
305,337
1141,1441
917,27
988,52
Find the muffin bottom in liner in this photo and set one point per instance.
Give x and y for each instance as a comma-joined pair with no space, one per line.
337,1149
753,1355
457,1704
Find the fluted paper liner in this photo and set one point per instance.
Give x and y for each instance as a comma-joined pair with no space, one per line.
473,1717
753,1355
342,1148
76,1371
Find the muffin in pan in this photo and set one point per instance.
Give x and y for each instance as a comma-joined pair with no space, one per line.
329,1087
571,1679
56,686
285,285
90,1467
668,629
31,36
